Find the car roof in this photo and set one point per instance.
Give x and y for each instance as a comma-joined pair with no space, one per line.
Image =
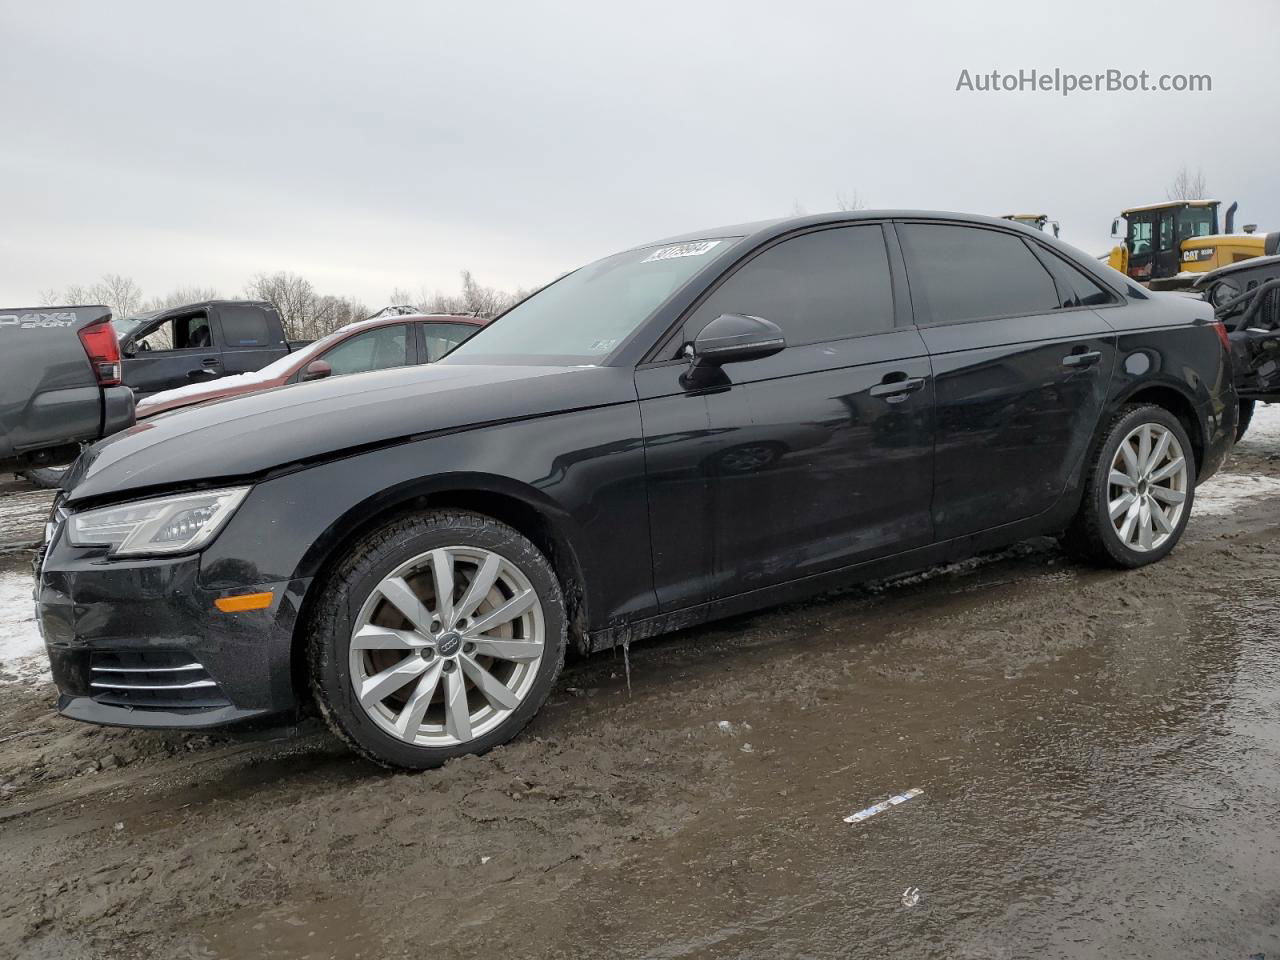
1167,203
761,230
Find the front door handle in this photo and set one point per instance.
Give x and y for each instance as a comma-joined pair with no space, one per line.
1082,359
896,390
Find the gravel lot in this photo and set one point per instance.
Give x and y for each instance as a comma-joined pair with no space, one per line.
1099,755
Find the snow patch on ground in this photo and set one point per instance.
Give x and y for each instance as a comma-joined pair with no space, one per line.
1227,492
1263,435
22,655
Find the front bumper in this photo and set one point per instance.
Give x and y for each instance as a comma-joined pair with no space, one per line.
139,643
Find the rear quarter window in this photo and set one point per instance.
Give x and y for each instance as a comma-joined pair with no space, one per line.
244,326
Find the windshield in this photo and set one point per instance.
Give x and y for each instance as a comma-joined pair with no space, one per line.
585,315
124,326
1197,222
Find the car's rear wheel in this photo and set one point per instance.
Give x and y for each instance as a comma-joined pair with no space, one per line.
438,635
1139,490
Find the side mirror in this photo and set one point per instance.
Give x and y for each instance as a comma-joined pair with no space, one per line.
315,370
1056,228
1115,229
735,337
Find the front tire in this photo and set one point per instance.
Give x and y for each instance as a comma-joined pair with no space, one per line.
440,634
1138,492
46,478
1245,418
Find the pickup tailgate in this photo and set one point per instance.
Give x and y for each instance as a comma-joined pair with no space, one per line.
50,397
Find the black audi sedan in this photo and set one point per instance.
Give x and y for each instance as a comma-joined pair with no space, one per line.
685,430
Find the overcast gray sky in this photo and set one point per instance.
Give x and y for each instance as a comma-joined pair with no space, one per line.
374,145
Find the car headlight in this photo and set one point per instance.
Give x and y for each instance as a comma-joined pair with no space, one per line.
178,524
1223,291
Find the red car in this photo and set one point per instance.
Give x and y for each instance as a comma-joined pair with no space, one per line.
377,344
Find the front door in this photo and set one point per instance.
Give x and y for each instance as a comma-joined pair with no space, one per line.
1020,370
174,352
807,461
1167,255
1141,242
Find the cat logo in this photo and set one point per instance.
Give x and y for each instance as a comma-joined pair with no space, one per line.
33,321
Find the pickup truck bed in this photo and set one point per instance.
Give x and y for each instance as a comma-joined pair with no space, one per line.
59,384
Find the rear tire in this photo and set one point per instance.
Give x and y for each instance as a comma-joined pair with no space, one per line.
1244,418
410,681
1118,524
46,478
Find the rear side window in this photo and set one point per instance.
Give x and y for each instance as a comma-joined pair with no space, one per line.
443,337
817,287
1074,288
373,350
244,326
967,273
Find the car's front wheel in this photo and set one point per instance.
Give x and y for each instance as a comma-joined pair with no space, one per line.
438,635
1138,492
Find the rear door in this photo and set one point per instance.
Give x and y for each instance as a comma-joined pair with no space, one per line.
1020,370
813,459
250,339
176,351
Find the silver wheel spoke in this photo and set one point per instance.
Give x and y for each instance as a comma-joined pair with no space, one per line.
442,574
410,718
382,685
1121,505
1162,447
370,637
1131,466
1160,518
1144,525
1118,479
1168,470
1167,495
507,649
1144,446
401,596
457,714
1130,519
493,688
484,580
507,612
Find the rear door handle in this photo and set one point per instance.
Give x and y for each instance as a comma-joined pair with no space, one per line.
210,361
896,390
1082,359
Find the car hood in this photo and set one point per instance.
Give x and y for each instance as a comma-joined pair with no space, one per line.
251,434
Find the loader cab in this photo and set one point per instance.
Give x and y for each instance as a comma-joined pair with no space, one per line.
1036,221
1153,235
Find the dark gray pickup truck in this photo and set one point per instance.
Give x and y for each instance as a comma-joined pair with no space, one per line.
197,342
60,384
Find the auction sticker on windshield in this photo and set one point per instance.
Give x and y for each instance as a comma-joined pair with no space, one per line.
694,249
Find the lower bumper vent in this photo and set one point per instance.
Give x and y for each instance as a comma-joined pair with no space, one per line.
155,680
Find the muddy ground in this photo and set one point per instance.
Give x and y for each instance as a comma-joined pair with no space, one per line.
1099,754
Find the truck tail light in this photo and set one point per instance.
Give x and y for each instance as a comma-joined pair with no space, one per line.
1221,330
99,341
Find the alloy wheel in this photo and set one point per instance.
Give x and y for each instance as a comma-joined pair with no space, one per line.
1147,487
447,646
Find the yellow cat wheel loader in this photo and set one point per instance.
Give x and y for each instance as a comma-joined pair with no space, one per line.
1170,245
1037,221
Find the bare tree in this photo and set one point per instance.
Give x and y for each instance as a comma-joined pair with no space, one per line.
180,297
850,201
475,300
306,314
1188,186
118,292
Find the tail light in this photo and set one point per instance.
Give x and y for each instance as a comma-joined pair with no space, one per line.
99,341
1221,330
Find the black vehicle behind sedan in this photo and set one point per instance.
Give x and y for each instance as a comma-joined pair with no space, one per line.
679,432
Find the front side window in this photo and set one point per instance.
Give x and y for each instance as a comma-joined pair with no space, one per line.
1141,226
589,313
443,337
190,332
373,350
969,273
822,286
